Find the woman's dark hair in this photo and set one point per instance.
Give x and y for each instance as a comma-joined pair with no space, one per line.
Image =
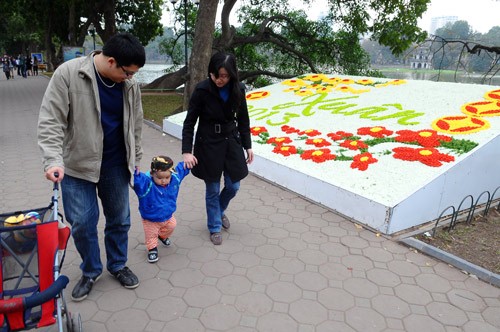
126,49
228,62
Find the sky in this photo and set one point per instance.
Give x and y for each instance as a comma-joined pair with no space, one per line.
480,14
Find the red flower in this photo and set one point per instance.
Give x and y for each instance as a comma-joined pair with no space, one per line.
361,161
279,140
339,135
285,150
427,156
318,142
427,138
377,131
257,130
318,155
289,130
310,132
353,145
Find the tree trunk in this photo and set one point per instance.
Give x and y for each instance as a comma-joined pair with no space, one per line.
200,55
202,46
107,8
72,35
50,57
167,82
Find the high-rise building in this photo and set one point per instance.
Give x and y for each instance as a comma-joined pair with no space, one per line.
441,21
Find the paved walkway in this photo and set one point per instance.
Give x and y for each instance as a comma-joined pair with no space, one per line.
286,265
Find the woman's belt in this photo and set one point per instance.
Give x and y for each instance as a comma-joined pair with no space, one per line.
220,128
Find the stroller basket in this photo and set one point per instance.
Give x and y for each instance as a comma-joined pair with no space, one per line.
32,247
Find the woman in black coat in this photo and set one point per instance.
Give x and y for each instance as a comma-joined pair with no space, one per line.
219,106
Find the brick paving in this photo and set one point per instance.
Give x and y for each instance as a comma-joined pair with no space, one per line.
287,264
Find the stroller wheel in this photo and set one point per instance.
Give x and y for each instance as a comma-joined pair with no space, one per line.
73,323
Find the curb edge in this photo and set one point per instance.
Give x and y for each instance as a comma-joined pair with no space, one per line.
457,262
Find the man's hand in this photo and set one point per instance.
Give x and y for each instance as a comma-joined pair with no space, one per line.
50,173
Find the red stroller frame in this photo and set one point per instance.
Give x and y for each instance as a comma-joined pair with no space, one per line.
31,288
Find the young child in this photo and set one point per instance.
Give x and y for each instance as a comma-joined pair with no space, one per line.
157,193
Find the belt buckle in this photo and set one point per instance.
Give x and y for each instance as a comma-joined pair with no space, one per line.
218,128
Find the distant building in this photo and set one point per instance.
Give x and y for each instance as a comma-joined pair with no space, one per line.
420,57
441,21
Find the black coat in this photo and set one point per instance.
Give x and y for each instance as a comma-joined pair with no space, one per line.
221,137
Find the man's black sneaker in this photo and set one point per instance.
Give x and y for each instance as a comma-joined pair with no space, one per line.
126,277
83,288
153,255
166,242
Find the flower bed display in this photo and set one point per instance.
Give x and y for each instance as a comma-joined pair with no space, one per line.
379,139
369,135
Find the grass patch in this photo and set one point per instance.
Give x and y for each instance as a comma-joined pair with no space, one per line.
158,106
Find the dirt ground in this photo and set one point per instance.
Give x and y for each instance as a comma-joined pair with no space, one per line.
477,242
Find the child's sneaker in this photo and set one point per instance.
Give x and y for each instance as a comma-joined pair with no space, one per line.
153,255
165,242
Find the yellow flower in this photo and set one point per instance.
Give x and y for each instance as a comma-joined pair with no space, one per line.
315,77
294,82
303,92
292,89
345,88
347,81
313,86
364,82
326,89
332,80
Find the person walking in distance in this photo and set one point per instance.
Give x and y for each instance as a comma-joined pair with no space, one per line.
89,132
222,137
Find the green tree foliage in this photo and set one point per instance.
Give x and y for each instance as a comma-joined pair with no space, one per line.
457,46
19,27
276,41
47,25
141,18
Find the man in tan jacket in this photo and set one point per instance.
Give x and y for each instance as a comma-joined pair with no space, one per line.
89,133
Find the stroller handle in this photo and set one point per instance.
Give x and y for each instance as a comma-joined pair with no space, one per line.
56,184
13,305
49,293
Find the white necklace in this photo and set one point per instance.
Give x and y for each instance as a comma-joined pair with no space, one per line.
97,71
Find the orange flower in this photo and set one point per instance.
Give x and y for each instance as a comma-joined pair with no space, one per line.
361,161
279,140
426,138
285,150
427,156
257,130
289,130
310,132
353,145
318,142
339,135
318,155
377,131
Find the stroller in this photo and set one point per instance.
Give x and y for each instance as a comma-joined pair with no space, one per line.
33,246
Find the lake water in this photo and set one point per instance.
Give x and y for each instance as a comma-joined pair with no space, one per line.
150,72
443,77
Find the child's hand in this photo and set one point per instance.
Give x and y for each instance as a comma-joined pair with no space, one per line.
137,170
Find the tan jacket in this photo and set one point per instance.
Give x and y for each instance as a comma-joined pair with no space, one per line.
69,125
